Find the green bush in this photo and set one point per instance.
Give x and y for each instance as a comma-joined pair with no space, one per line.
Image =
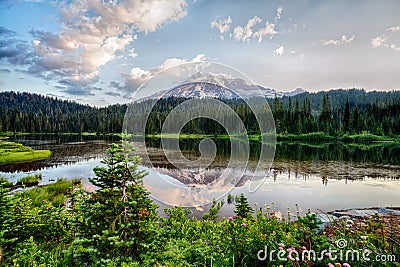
30,180
5,183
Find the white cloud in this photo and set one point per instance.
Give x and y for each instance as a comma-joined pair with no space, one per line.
137,76
395,48
269,30
278,13
245,33
222,25
382,41
94,31
345,39
132,53
279,51
379,41
238,33
253,22
394,29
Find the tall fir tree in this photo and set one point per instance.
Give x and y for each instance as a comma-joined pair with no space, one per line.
119,218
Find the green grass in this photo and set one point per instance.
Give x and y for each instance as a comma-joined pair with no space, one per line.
183,136
317,136
11,152
366,137
5,183
55,192
9,134
30,180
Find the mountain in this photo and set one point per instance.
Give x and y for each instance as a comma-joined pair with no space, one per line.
220,86
298,91
197,90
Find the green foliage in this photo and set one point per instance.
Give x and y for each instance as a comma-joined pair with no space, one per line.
11,152
55,193
5,183
243,208
21,220
117,219
30,180
33,113
212,214
230,198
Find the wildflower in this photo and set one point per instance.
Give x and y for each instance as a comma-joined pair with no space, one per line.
67,245
281,245
346,264
271,212
229,238
329,255
289,250
303,248
331,265
244,225
280,248
230,218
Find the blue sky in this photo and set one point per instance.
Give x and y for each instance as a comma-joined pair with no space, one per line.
99,52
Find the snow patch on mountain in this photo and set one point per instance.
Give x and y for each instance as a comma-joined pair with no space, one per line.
201,85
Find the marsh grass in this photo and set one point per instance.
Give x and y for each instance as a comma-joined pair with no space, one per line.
5,183
55,192
11,152
30,180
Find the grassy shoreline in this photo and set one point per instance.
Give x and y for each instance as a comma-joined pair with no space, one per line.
11,152
312,137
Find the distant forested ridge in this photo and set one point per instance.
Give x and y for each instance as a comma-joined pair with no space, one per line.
334,112
27,112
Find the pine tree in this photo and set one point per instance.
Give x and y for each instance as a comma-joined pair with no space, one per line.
279,115
346,118
119,218
325,116
243,208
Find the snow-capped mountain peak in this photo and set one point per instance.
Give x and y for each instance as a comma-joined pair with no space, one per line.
200,90
201,85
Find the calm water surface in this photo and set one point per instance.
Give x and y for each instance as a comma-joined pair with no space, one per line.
316,176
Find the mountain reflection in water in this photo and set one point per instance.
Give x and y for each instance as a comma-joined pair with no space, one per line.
314,175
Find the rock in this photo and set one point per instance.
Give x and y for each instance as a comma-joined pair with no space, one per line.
326,220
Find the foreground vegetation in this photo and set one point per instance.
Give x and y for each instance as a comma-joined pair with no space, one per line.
118,225
11,152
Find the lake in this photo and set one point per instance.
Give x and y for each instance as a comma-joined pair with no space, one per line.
315,176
